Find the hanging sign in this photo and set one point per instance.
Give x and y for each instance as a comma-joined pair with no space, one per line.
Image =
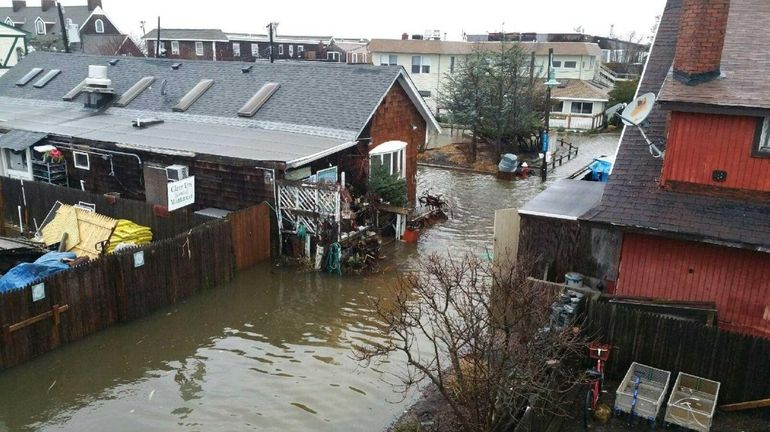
181,193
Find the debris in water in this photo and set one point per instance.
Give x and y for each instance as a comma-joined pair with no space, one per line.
152,393
51,386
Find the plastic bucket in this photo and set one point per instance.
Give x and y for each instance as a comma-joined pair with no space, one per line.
573,280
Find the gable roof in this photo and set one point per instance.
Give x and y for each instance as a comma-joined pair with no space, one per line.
9,29
317,100
573,89
28,15
744,63
208,35
633,199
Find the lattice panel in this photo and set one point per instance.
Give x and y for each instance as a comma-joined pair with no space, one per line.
308,205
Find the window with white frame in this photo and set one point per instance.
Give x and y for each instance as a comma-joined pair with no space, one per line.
99,26
199,48
255,50
16,160
81,160
175,48
558,107
300,49
40,26
280,49
420,64
763,141
556,63
391,155
236,49
291,50
333,56
582,108
354,58
570,64
388,60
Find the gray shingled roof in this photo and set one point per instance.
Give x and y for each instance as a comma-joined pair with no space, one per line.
187,34
633,199
28,15
312,94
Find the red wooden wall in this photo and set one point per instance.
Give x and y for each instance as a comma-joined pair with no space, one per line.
737,280
698,144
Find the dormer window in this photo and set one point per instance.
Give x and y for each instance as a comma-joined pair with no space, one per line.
39,26
99,26
762,139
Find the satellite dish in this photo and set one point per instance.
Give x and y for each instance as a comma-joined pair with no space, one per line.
611,111
638,110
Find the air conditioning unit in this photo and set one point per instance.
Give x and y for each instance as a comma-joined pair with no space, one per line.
177,172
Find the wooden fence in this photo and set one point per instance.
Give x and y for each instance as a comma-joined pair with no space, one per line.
740,362
115,288
37,199
251,235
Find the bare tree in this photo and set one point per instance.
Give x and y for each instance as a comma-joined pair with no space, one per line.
481,335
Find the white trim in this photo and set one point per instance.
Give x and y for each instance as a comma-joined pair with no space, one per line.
305,159
174,51
200,52
45,30
87,166
236,46
388,147
96,25
547,215
580,99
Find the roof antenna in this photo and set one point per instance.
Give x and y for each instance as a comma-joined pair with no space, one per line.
164,87
634,114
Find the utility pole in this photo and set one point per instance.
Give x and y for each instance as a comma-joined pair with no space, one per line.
544,143
271,26
157,43
63,25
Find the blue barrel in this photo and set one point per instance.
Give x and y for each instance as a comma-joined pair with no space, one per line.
508,163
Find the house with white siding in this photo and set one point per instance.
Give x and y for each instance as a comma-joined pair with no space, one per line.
13,46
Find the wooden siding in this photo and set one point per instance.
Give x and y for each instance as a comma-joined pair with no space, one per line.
698,144
737,280
394,120
251,235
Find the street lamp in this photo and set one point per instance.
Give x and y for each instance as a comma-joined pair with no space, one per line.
551,83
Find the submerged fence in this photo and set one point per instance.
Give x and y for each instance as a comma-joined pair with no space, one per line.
739,362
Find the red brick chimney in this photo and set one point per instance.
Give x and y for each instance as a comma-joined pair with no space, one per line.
47,4
18,4
92,4
701,39
404,36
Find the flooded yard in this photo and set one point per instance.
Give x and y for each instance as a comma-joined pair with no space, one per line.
269,351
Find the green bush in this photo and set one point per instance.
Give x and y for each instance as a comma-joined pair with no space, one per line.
389,188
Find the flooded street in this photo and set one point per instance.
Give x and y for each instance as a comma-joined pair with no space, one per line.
269,351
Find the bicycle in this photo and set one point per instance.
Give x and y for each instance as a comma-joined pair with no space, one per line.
600,353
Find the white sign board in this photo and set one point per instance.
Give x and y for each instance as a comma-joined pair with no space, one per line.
138,259
38,292
181,193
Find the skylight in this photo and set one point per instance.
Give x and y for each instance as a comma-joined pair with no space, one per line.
51,74
72,94
29,76
187,100
135,90
259,99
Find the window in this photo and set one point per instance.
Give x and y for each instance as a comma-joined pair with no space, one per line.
16,160
452,64
280,49
582,108
333,56
570,64
354,58
199,48
175,48
39,26
388,60
420,64
99,26
763,136
392,155
291,50
255,50
300,49
558,107
81,160
557,63
236,49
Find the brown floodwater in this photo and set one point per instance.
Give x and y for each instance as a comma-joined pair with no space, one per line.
269,351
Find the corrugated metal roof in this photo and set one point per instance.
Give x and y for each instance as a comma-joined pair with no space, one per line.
19,140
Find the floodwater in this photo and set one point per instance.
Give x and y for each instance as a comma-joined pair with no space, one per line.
269,351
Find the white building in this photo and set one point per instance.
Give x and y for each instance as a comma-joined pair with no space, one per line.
13,46
429,61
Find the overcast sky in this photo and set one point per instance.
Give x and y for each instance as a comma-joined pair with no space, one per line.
386,18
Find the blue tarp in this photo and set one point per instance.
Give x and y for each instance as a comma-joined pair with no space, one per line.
27,273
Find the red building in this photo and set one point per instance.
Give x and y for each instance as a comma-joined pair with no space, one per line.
695,224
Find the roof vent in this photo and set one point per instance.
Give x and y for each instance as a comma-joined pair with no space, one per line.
50,75
29,76
259,99
176,66
145,122
187,100
247,69
113,62
135,90
98,88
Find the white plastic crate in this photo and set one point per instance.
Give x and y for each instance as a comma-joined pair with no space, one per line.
653,384
692,402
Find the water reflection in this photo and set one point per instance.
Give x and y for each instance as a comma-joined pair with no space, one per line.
270,351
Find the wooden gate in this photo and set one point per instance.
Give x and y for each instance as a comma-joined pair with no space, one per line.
251,235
